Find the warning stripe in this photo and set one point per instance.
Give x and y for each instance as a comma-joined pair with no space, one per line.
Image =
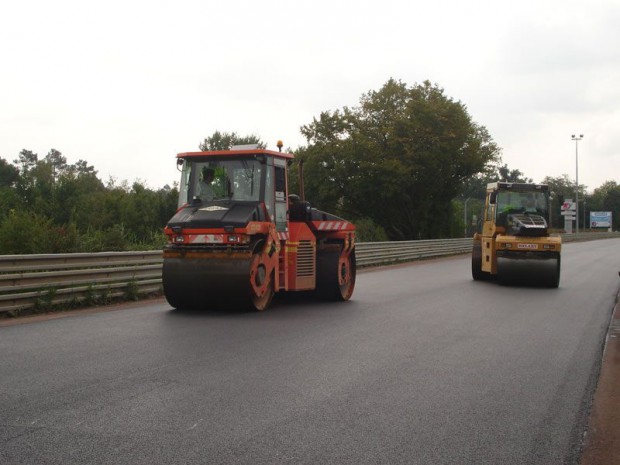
332,225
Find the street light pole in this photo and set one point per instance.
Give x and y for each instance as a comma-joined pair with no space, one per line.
576,139
465,214
583,214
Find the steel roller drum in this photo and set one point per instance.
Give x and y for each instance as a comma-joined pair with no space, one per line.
529,271
207,282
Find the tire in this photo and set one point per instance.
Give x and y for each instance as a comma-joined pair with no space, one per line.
335,275
261,282
262,302
476,263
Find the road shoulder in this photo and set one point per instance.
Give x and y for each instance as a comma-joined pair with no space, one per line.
82,311
602,445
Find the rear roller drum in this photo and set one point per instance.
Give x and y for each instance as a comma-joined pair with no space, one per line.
261,286
335,275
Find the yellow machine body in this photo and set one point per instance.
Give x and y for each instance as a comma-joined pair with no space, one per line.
514,244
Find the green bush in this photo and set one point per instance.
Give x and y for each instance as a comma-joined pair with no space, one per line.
26,233
367,230
114,239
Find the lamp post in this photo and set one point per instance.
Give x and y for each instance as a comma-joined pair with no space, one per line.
465,214
576,139
583,214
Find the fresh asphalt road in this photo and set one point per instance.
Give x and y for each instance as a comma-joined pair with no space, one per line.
423,366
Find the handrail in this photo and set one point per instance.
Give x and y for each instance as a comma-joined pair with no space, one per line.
44,280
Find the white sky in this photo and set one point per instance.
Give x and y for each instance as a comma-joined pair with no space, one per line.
125,85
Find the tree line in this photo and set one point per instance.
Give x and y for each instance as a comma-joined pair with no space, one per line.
408,162
50,206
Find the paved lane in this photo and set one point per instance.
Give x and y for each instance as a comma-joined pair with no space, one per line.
423,366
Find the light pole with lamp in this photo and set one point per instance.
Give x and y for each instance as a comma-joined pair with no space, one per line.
576,139
583,214
465,214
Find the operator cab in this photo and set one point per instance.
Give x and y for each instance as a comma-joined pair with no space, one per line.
523,209
232,186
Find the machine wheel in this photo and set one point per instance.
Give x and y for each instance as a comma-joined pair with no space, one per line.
476,263
261,283
262,299
335,275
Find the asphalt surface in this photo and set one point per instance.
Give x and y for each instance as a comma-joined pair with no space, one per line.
423,366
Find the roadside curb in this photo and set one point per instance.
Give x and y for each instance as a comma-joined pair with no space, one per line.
602,445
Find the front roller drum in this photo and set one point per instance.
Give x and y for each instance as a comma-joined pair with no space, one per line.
335,275
529,271
217,283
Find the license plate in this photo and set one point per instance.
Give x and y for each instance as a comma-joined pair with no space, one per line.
206,239
527,246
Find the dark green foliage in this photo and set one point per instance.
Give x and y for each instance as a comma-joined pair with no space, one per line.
132,292
605,198
367,231
113,239
9,175
49,206
399,159
225,140
562,188
508,175
29,233
45,299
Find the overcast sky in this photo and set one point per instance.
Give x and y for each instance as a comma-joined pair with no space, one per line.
126,85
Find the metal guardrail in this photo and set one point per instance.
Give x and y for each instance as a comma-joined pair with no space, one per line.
41,281
379,253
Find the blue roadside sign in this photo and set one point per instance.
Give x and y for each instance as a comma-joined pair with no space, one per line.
600,219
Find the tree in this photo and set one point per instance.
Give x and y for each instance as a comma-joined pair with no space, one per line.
76,196
607,198
398,159
476,186
9,174
508,175
48,206
562,188
27,159
9,197
225,140
57,162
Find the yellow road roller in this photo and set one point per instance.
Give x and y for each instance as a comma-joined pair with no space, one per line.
514,244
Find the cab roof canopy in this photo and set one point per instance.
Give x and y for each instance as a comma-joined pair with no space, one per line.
516,186
236,153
